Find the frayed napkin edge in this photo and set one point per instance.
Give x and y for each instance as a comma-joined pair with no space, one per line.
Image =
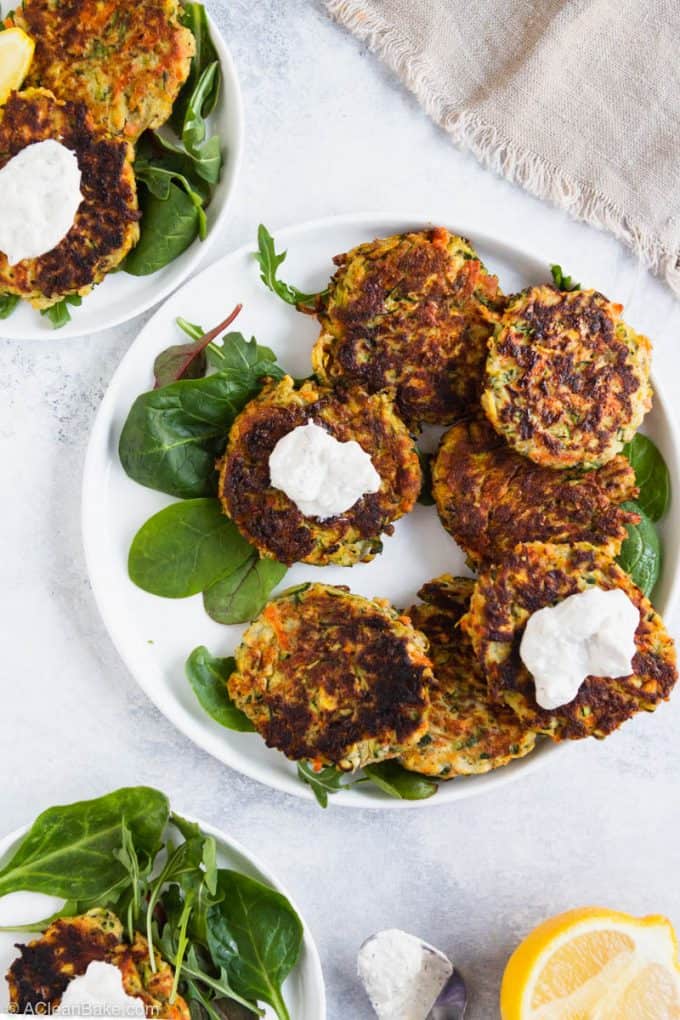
501,154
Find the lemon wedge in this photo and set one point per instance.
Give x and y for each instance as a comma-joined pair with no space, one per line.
16,54
594,964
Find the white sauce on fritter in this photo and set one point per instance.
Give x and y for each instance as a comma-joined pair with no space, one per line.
321,475
591,633
402,975
40,196
99,992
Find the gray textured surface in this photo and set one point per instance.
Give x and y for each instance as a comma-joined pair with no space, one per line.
327,131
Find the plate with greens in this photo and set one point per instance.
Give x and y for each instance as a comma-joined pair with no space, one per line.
179,582
123,901
147,180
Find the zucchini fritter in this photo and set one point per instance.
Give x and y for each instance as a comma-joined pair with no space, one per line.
567,381
333,677
541,574
38,977
489,498
125,59
106,224
410,314
467,733
272,521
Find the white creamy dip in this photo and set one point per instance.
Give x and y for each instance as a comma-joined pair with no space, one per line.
591,633
99,992
402,975
40,195
321,475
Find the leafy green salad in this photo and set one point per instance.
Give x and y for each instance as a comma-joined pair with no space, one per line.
231,940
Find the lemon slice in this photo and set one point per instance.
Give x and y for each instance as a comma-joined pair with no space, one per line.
16,54
594,964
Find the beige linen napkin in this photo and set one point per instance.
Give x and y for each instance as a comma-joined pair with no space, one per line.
576,100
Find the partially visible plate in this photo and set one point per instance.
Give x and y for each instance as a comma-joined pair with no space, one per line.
119,296
153,635
304,989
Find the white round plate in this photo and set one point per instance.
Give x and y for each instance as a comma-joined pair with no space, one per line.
304,989
119,296
153,635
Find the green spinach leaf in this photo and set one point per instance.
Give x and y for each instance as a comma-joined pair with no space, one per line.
562,281
641,555
240,596
651,475
185,548
58,314
160,181
193,17
269,262
208,677
395,780
256,936
8,303
168,227
206,155
71,851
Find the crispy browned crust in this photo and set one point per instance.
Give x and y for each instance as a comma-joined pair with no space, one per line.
125,59
39,976
410,314
467,733
567,381
270,520
106,224
489,498
333,677
538,575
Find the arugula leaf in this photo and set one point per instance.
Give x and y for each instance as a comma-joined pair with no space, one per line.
269,262
256,936
208,677
323,782
242,595
185,548
395,780
641,555
173,435
194,18
8,303
168,227
70,851
651,476
58,314
561,281
188,361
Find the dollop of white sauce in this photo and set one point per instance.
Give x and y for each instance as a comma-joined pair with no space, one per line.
591,633
321,475
40,196
99,992
402,975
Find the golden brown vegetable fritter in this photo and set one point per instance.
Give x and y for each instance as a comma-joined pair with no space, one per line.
410,314
490,498
567,381
106,224
39,976
125,59
541,574
272,521
467,733
333,677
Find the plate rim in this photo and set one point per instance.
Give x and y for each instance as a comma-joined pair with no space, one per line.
173,712
235,845
149,296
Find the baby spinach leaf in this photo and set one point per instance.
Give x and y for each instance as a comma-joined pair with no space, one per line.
206,155
269,262
193,17
323,782
395,780
561,281
160,181
59,314
208,677
188,361
70,851
641,554
168,227
184,548
240,596
8,303
256,936
173,435
651,476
